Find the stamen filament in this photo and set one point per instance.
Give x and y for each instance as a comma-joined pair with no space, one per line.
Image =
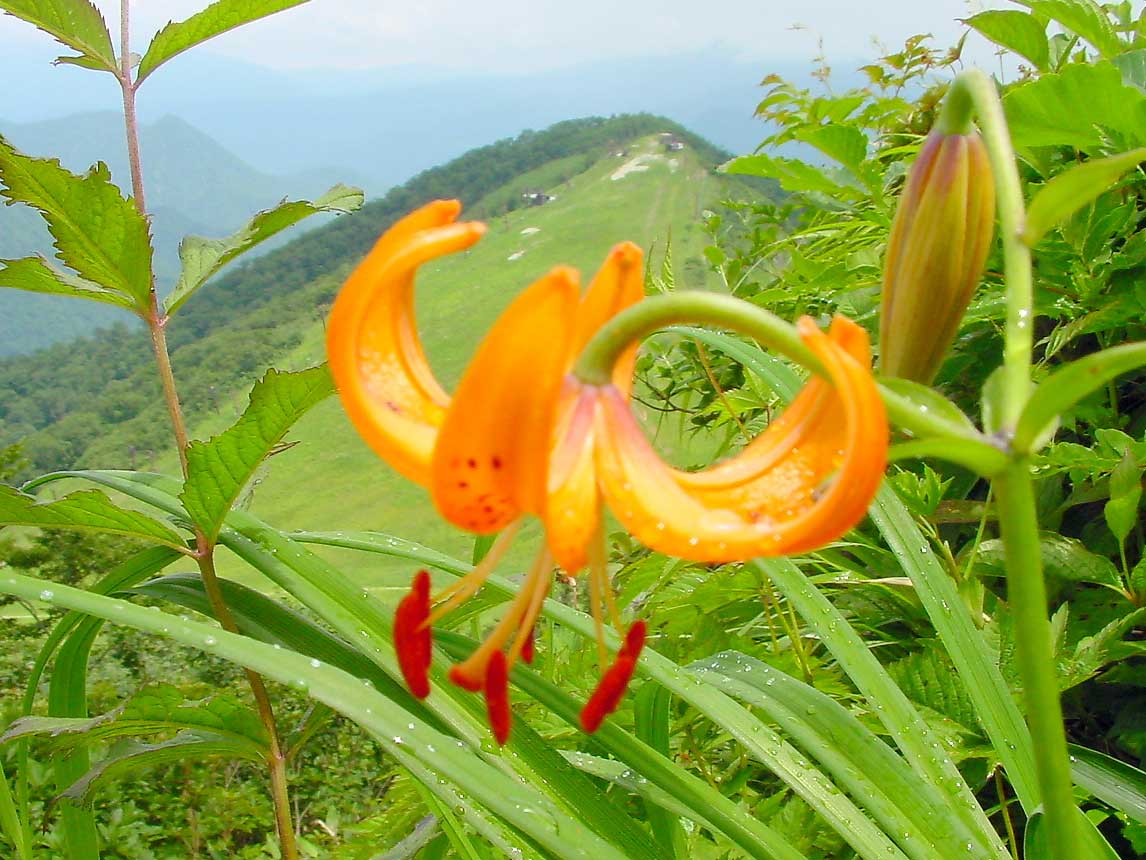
598,555
466,587
540,578
597,578
470,673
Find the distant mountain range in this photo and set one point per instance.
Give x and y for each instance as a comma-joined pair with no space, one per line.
388,124
223,139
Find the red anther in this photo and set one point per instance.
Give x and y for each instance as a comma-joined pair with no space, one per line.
611,688
527,648
465,679
413,638
634,641
497,697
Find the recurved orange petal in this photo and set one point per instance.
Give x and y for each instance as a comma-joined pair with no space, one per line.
491,461
618,284
804,482
375,352
573,510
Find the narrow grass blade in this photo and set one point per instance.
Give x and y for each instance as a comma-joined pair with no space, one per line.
407,740
863,765
11,824
921,748
994,704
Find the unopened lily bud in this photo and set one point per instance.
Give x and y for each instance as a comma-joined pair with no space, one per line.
936,253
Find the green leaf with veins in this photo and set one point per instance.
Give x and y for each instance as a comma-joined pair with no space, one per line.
38,275
129,756
77,24
1121,511
216,19
1016,31
98,233
1072,189
1085,18
202,258
220,468
1082,106
158,709
84,510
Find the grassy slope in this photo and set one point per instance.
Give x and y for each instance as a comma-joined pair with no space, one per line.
331,480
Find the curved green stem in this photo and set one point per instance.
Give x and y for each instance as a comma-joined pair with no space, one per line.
1015,500
595,365
1019,337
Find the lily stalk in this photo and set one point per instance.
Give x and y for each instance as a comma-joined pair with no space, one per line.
1014,487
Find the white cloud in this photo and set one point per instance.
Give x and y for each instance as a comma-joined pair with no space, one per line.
524,35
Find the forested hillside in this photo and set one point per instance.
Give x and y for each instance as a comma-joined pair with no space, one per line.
96,400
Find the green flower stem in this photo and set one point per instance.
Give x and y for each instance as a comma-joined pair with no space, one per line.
1013,488
958,109
1026,591
595,366
1019,336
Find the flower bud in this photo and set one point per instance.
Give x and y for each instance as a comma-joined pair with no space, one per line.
935,254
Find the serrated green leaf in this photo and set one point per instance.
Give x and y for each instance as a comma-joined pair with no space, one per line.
216,19
1121,511
1138,578
1082,17
1016,31
1133,67
843,143
218,470
202,258
97,232
929,679
1063,558
1082,106
84,510
37,275
793,175
1072,189
75,23
130,756
1094,652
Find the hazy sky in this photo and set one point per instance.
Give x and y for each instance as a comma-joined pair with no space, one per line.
520,35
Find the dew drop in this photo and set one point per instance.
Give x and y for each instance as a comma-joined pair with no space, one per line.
47,594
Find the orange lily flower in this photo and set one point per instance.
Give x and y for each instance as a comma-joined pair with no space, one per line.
523,436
